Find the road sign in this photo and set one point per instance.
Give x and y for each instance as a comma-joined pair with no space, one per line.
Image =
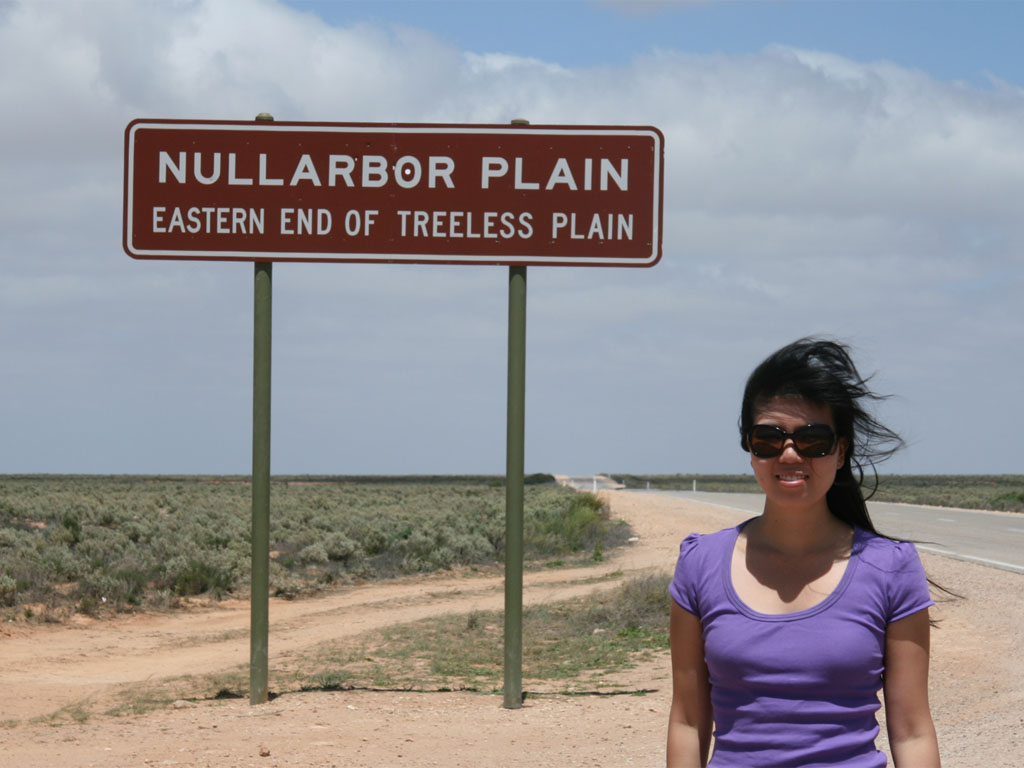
361,192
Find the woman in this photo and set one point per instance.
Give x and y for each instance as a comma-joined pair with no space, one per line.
784,628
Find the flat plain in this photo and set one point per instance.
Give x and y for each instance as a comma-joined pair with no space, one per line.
977,685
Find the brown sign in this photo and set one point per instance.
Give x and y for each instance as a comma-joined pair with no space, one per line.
441,194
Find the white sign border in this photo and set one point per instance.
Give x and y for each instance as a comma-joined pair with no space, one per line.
384,258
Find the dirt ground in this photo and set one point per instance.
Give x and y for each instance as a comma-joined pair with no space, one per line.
977,687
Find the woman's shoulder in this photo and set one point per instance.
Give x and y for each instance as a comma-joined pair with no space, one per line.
701,556
707,539
885,554
698,543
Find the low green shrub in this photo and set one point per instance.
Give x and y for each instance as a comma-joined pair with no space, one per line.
1012,501
115,543
998,492
8,590
192,576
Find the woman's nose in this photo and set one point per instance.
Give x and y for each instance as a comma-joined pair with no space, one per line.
789,453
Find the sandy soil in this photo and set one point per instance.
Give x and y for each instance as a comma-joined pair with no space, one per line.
977,682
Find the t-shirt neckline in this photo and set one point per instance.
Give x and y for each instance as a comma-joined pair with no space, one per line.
746,610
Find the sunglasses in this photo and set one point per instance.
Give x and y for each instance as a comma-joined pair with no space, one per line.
812,442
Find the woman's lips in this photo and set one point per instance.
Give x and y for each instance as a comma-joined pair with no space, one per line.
791,478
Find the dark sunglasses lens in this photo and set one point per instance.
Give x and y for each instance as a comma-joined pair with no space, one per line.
766,442
814,442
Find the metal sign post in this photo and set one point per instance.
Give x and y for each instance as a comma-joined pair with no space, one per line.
259,621
259,628
514,452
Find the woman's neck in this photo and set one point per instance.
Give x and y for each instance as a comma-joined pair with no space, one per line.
798,531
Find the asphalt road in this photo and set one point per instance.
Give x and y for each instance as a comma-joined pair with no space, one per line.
995,539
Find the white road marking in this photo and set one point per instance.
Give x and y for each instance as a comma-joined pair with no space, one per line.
987,561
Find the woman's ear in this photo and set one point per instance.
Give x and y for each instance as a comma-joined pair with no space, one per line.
840,452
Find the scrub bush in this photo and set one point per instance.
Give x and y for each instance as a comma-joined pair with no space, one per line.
8,590
581,525
1010,502
314,554
68,542
998,492
195,577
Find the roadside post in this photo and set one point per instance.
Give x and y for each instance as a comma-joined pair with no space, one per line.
514,490
515,451
260,572
259,611
514,195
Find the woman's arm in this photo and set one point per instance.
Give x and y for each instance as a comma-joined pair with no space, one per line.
689,721
908,717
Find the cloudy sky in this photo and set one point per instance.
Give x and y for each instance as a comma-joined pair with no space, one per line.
848,169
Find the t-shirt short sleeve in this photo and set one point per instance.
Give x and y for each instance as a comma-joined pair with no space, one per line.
683,588
907,586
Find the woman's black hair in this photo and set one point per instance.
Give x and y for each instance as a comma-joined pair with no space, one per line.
822,371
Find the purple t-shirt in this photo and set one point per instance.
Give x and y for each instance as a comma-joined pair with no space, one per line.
798,690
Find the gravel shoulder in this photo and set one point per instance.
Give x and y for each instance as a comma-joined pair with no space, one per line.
977,687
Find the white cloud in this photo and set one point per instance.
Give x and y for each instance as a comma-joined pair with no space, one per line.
804,192
484,64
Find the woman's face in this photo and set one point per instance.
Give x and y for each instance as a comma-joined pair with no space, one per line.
789,479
